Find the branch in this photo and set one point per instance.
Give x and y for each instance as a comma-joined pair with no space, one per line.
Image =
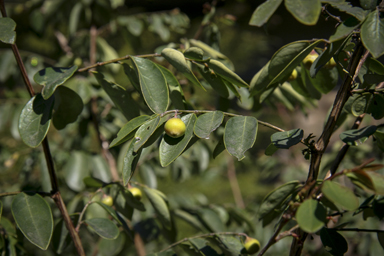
273,239
56,196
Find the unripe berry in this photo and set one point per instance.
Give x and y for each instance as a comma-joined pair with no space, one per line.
175,127
107,200
136,192
251,245
293,75
309,59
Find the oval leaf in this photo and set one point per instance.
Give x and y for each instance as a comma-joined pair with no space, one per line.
35,119
287,139
263,12
311,216
120,97
76,169
152,84
276,197
34,218
126,132
240,135
156,198
68,106
144,132
176,92
130,161
355,137
194,53
7,30
306,12
333,242
177,59
52,77
340,195
345,28
104,228
372,34
171,148
221,70
207,123
216,82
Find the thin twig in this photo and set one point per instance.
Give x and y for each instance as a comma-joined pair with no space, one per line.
99,64
273,239
231,172
79,222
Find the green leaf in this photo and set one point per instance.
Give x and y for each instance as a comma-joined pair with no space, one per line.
1,209
211,220
378,182
127,131
145,132
287,58
263,12
345,28
74,18
207,49
287,139
207,123
361,179
35,119
240,135
220,147
325,80
7,30
333,242
130,161
68,106
311,216
379,136
152,84
105,228
60,238
33,216
190,219
132,76
271,149
111,211
120,97
276,197
215,81
347,7
340,195
76,169
52,77
177,59
157,200
93,182
306,12
171,148
357,136
194,53
221,70
380,237
325,57
176,92
111,248
372,34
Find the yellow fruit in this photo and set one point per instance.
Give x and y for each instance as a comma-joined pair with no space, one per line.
136,193
174,127
293,75
331,63
107,200
309,59
251,245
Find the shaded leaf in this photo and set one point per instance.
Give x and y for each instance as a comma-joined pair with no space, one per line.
76,169
34,218
347,7
7,30
67,107
207,49
35,119
131,159
120,97
144,132
207,123
360,105
127,131
287,139
263,12
52,77
380,237
105,228
111,248
177,59
194,53
306,12
240,135
110,210
357,136
271,149
276,197
157,200
345,28
221,70
175,90
220,147
216,82
132,76
333,242
60,238
372,34
340,195
361,179
311,216
152,84
171,148
378,182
